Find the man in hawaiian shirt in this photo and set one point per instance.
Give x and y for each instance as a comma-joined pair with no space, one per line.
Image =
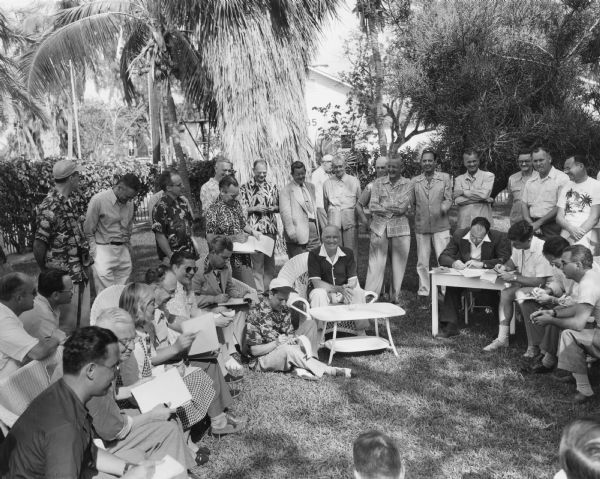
61,243
226,217
275,345
173,220
261,200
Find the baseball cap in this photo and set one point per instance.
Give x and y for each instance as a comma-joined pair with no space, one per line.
281,285
64,168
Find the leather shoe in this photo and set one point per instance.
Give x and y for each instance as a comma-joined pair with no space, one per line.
563,376
447,332
229,428
539,368
579,398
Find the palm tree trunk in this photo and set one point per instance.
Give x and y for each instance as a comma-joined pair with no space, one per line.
377,66
173,133
154,118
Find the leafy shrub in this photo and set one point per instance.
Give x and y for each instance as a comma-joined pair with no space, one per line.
24,184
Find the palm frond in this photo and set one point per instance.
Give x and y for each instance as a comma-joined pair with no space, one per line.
81,42
16,94
132,48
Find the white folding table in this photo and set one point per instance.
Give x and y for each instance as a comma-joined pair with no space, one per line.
355,312
457,281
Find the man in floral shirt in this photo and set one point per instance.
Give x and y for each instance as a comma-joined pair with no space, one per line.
61,243
276,346
172,222
226,217
261,200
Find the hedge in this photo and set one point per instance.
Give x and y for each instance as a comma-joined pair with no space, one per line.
25,183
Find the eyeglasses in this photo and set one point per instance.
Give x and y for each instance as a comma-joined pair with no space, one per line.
114,368
128,344
189,269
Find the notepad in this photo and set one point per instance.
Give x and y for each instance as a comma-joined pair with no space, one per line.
167,388
264,245
204,328
167,468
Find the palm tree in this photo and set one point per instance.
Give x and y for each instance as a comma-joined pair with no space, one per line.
16,103
241,62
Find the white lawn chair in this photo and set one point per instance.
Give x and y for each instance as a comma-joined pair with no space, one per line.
107,298
295,273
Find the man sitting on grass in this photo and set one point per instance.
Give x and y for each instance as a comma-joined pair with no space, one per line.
376,456
275,345
580,337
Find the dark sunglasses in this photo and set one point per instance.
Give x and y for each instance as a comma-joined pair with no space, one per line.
189,269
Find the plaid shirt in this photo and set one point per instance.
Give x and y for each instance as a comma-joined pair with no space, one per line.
61,228
398,195
223,219
173,218
264,194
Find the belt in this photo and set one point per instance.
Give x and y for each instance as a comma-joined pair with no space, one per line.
113,243
312,220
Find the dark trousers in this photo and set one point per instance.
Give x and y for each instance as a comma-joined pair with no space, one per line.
545,337
451,306
549,229
294,249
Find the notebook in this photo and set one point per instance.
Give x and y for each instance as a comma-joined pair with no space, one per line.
204,328
167,388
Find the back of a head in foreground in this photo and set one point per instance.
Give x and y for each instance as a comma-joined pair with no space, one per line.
579,451
84,346
377,457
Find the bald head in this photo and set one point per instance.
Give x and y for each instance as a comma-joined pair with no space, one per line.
477,234
381,166
121,324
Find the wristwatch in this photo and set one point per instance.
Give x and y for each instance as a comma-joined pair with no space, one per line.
128,465
554,313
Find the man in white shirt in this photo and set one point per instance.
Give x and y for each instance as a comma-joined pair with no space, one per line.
540,195
579,338
579,204
54,288
209,191
526,267
318,178
516,184
472,191
16,346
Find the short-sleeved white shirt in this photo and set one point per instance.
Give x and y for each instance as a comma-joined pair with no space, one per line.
589,293
542,194
531,262
15,343
576,199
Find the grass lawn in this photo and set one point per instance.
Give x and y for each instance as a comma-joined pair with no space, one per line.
455,411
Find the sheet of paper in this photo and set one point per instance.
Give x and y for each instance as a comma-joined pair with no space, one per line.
264,245
527,297
167,388
490,276
445,270
204,328
168,468
472,272
244,248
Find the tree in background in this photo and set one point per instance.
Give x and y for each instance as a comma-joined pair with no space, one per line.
500,74
242,63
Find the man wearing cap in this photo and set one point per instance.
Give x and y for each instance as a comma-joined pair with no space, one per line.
276,346
60,243
108,224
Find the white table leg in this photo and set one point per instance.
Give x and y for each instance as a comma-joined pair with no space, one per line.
376,326
434,306
332,351
392,346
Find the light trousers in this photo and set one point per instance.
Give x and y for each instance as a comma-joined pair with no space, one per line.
440,241
574,345
112,265
378,253
263,267
68,312
288,356
230,336
350,239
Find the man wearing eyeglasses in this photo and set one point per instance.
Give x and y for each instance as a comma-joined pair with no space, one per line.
108,225
54,288
516,183
580,337
172,222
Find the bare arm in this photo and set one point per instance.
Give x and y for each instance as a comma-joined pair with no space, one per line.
43,349
39,253
163,244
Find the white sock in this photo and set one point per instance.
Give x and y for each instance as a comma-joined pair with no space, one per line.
503,332
219,421
583,384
